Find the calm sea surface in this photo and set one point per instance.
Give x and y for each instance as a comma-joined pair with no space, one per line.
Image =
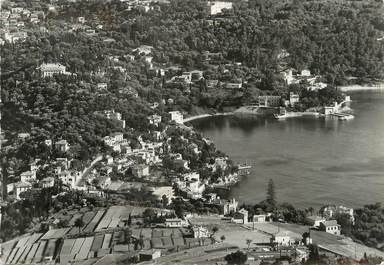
313,161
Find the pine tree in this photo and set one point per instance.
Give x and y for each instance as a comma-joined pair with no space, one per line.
271,197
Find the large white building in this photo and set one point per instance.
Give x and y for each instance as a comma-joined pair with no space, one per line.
176,116
331,227
51,69
217,7
269,101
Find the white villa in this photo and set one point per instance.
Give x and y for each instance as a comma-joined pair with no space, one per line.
176,116
51,69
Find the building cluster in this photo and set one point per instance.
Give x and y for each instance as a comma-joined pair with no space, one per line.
191,185
16,21
326,220
136,161
305,75
63,171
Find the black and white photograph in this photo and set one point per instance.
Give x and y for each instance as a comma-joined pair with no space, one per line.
191,132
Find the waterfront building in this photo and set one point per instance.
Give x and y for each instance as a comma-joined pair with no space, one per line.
176,116
293,99
220,162
269,101
330,109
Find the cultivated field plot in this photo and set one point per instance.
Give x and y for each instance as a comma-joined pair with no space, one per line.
96,238
200,255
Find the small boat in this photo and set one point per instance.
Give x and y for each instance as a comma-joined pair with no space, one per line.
244,169
287,115
347,117
244,166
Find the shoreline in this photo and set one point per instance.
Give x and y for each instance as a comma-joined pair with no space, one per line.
255,111
353,88
249,109
202,116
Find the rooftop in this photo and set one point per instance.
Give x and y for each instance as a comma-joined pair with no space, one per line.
330,223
